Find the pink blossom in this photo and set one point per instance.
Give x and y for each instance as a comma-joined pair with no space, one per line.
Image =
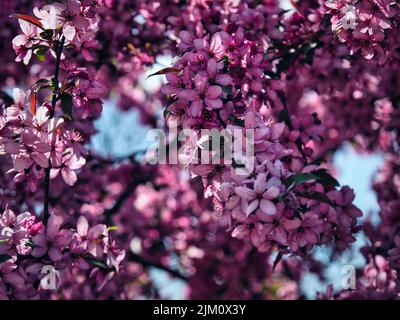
69,163
202,96
307,233
23,43
260,197
51,240
50,15
89,239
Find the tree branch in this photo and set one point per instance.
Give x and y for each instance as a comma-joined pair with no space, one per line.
129,189
58,48
145,263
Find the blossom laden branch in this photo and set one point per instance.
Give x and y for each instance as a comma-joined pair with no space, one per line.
55,95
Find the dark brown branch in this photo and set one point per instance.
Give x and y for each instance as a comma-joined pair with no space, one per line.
129,189
145,263
58,49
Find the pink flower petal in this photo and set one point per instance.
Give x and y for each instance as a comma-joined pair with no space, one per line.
41,160
279,234
253,205
223,79
271,193
53,227
189,94
96,231
69,176
213,92
213,103
241,231
82,226
245,193
267,207
196,108
212,68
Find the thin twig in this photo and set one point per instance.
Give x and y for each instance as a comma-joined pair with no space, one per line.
129,189
58,48
145,263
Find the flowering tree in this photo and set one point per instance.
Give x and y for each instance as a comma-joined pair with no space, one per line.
236,217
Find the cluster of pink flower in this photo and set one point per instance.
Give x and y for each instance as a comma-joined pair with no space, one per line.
59,26
356,104
240,65
43,144
75,21
385,237
368,27
284,201
28,249
376,282
163,222
36,142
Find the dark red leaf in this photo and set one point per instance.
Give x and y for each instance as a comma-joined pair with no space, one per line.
32,103
277,260
164,71
29,19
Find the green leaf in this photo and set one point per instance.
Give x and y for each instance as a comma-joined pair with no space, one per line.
271,74
4,257
30,243
315,195
113,228
41,83
46,34
98,263
277,260
166,113
300,178
318,161
285,117
66,105
3,241
325,178
237,121
227,90
41,52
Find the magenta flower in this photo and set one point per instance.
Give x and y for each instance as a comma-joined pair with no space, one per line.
252,229
89,239
31,150
306,233
394,254
16,232
213,71
23,43
115,255
50,15
73,19
87,96
264,191
70,163
174,85
75,139
203,96
214,48
52,240
277,226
